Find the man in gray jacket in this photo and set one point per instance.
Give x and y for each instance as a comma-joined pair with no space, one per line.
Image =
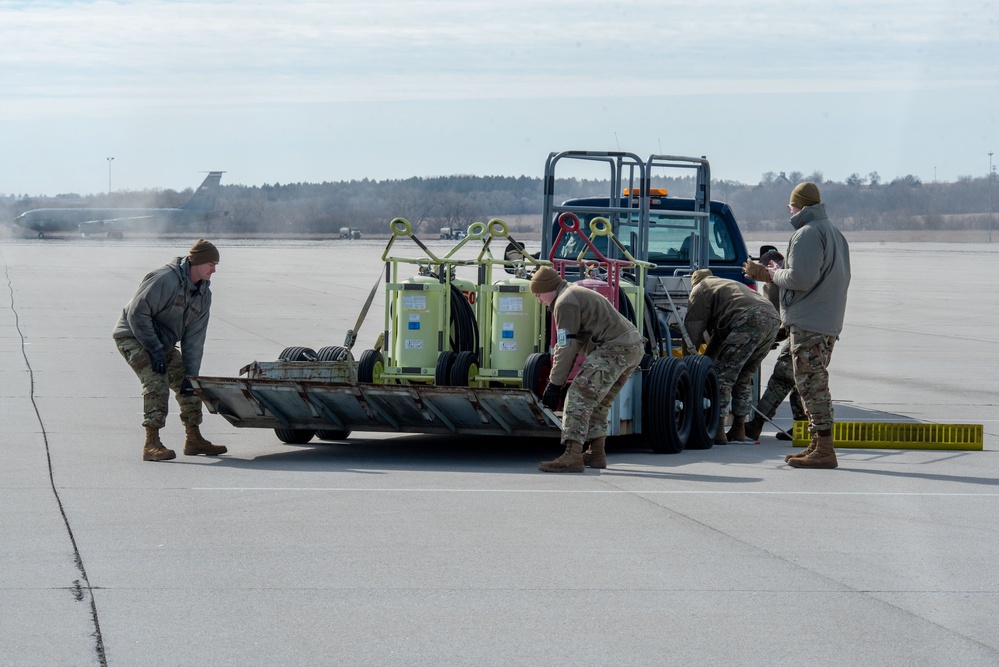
170,307
813,288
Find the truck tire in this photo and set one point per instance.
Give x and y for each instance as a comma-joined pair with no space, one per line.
704,407
665,396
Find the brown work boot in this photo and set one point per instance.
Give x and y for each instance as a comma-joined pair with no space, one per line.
595,455
196,444
754,428
570,461
805,452
154,450
738,431
823,456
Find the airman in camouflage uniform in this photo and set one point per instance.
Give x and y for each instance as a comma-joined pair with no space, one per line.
740,326
813,288
170,307
781,382
585,323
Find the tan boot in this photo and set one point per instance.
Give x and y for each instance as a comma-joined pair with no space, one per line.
754,428
154,450
570,461
824,456
595,455
738,431
803,453
196,444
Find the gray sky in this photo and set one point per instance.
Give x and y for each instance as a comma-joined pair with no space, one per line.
283,91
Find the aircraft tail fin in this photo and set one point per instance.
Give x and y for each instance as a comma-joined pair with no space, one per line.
204,197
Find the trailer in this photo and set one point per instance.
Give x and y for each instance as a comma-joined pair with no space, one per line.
466,349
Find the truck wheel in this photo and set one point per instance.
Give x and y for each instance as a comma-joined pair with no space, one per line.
704,406
294,436
466,367
536,371
445,362
297,354
370,367
665,396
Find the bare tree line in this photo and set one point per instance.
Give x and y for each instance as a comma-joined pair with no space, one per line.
858,203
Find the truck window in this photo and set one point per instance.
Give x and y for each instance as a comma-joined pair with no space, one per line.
669,239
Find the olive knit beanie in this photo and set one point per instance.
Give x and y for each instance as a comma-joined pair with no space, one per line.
699,275
805,194
203,252
545,279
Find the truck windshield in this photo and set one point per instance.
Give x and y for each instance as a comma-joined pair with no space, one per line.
670,239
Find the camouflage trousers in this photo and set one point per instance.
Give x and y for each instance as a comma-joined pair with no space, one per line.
600,378
780,384
156,386
744,349
810,354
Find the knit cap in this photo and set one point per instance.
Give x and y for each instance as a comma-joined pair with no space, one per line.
203,252
805,194
545,279
699,275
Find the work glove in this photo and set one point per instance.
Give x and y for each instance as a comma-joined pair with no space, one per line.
552,396
186,388
756,271
158,359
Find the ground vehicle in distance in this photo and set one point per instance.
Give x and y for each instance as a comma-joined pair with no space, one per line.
350,233
452,233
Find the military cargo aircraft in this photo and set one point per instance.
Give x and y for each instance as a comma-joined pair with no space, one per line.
199,208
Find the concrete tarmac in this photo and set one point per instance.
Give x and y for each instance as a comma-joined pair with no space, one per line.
420,550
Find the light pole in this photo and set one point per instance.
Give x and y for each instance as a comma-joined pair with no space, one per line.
109,173
990,196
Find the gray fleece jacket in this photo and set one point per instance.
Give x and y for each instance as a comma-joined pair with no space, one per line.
168,309
816,274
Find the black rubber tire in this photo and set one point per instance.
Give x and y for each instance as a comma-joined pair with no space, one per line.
329,434
297,354
537,369
294,436
332,353
442,372
466,365
665,395
704,407
370,367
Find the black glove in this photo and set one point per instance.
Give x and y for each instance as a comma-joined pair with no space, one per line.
159,361
552,396
186,388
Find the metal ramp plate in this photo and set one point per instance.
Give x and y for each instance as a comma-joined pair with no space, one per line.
294,404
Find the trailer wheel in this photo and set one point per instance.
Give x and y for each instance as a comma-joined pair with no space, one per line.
536,372
297,354
704,405
466,367
370,367
665,397
294,436
332,353
445,362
